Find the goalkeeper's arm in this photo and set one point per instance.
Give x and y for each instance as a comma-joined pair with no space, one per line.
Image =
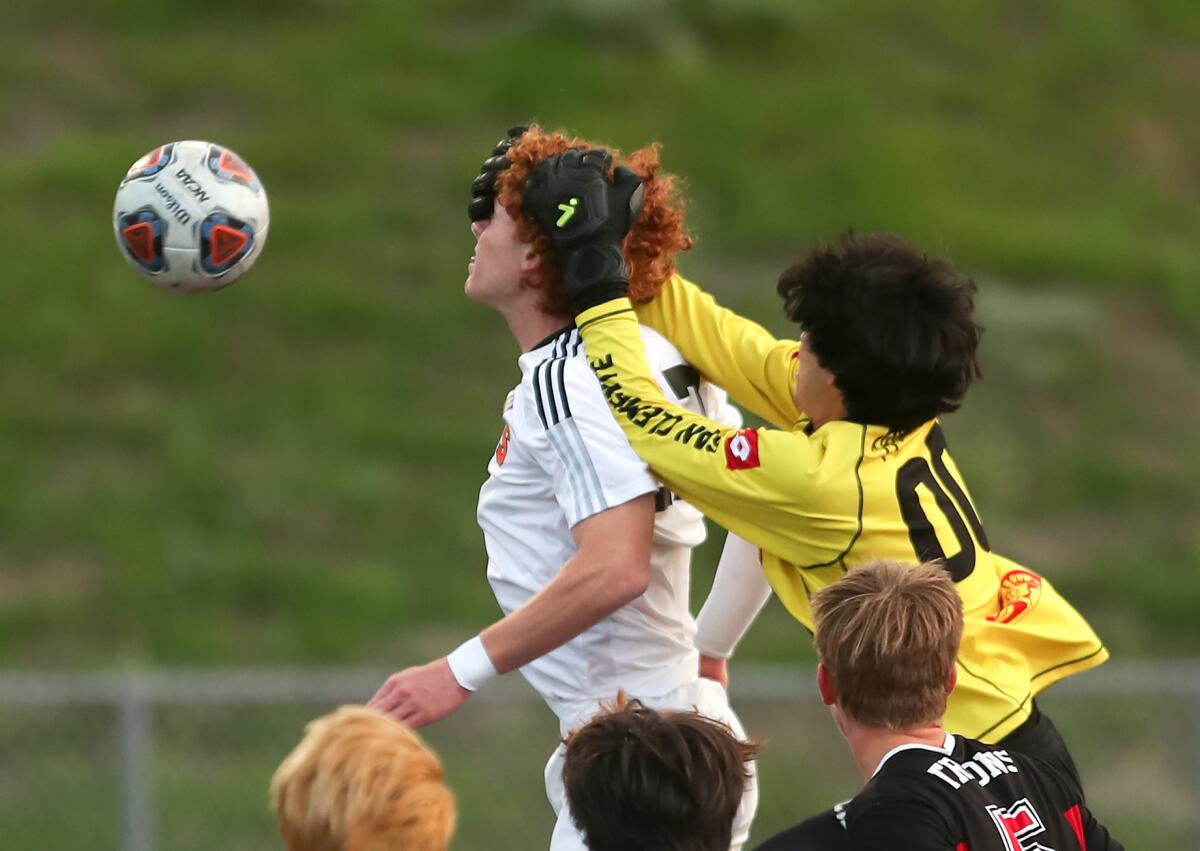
739,592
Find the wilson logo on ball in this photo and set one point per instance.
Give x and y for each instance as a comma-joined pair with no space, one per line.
191,216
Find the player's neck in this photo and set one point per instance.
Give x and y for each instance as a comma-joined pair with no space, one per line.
871,744
529,325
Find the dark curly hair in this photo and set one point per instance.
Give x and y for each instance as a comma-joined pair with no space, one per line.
650,248
894,326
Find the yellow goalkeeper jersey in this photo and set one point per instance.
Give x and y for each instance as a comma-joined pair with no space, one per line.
821,502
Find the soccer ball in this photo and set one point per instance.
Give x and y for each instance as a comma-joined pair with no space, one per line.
191,216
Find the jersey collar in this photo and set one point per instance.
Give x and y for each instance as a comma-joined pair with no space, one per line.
946,749
558,344
566,329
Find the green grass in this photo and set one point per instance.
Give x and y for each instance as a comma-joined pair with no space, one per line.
286,471
61,783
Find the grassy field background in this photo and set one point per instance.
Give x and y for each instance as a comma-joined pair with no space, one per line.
286,472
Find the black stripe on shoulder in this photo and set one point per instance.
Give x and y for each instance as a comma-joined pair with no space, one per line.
551,390
546,386
537,393
549,380
562,386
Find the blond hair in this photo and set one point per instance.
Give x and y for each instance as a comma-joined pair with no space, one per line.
360,781
888,634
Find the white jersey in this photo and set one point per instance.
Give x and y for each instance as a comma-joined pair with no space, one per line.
561,459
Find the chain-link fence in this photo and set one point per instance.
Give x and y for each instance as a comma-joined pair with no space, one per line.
175,761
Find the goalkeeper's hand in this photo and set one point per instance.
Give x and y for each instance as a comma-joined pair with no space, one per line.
586,219
483,188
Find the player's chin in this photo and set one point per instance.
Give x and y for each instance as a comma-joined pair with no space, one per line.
477,289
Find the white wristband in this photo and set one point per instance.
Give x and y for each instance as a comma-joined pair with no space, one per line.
471,665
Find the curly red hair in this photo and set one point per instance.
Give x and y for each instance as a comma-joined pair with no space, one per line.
650,248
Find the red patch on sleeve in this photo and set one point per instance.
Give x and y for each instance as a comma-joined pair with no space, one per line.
1075,819
741,450
502,446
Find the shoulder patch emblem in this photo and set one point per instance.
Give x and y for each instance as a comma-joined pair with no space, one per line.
741,450
1020,591
502,446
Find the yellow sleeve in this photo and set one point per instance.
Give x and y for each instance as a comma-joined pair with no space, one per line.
754,482
755,368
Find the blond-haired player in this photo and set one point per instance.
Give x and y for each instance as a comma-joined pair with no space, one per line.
359,781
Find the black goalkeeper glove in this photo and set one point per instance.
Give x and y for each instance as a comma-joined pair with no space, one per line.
586,219
483,189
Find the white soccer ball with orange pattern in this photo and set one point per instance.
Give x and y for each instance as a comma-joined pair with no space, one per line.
191,216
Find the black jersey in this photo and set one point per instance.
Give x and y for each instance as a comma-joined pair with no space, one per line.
968,796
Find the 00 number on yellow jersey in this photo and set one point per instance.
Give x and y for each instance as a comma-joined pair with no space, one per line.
951,500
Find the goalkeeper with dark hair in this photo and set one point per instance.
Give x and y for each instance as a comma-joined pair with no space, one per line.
857,467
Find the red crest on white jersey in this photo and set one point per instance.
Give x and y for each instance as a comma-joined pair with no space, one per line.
502,446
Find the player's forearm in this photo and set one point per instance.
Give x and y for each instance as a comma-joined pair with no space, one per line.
589,588
729,350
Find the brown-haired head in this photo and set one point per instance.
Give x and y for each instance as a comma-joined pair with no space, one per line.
888,634
651,246
359,781
641,780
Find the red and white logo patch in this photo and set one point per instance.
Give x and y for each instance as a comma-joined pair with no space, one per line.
1020,591
1018,826
502,446
741,450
